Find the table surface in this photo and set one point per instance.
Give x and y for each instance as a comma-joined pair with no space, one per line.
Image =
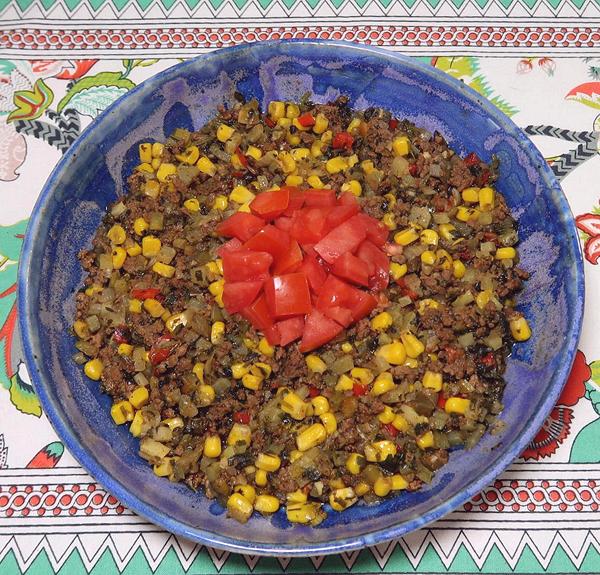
538,61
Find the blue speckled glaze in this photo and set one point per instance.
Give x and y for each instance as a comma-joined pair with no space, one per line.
92,173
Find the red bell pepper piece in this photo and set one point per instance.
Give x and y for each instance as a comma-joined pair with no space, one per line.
306,120
342,141
145,293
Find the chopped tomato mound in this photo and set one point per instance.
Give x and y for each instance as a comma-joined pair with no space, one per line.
304,264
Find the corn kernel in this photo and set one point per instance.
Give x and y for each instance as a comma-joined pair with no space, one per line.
446,231
295,455
297,496
153,307
401,146
139,397
293,139
261,369
316,149
470,195
93,369
483,298
135,305
315,364
239,434
224,132
458,269
285,123
387,415
411,362
260,477
398,482
487,198
329,421
320,404
239,508
134,250
117,235
362,374
457,405
433,381
306,513
190,156
400,423
426,440
321,124
217,332
379,451
288,164
382,321
443,259
205,395
344,383
398,270
311,437
266,504
506,254
140,225
336,165
145,167
341,499
192,205
268,462
121,412
465,214
293,405
294,180
362,488
92,290
425,304
241,195
216,288
389,221
292,111
428,257
165,170
246,491
150,246
352,186
406,237
276,109
355,463
300,153
265,347
382,486
520,330
383,383
157,149
327,136
394,353
414,348
251,381
347,347
315,182
163,270
156,163
367,166
254,152
81,329
206,166
145,151
429,237
119,255
136,424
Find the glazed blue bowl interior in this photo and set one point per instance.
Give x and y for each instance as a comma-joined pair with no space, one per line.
93,173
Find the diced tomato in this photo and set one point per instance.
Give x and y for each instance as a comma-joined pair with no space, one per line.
351,268
246,266
339,314
257,313
376,231
347,199
313,391
362,304
308,225
319,198
379,277
296,200
238,295
318,330
243,159
472,159
342,141
314,272
271,240
390,429
339,214
270,205
242,417
393,124
147,293
233,245
290,329
288,295
283,223
289,261
272,335
334,293
306,120
345,238
358,389
241,225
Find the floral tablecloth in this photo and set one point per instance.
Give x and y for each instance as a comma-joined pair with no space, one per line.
67,60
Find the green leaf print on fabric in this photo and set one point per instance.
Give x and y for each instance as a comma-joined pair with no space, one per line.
93,94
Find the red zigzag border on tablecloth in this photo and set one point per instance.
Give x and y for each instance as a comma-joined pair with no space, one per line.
468,36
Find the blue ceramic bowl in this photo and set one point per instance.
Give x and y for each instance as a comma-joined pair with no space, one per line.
93,173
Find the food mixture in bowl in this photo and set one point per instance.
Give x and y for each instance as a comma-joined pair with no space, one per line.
302,308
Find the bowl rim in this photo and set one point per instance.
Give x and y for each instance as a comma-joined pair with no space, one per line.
28,326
